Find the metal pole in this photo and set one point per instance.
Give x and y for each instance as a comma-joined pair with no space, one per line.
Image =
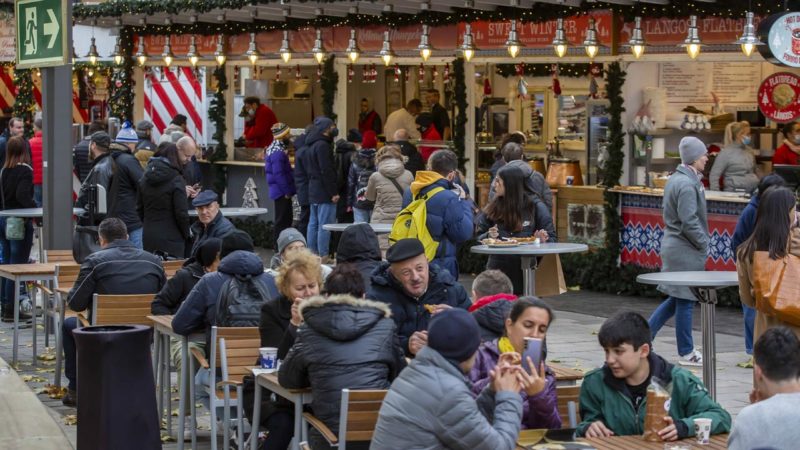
709,344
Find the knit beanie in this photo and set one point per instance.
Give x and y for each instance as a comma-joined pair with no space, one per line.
288,236
207,251
127,134
236,240
279,130
454,333
369,139
691,149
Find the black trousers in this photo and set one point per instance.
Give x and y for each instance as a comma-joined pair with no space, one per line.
302,222
283,216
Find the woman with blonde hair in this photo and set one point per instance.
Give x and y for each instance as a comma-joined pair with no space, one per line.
735,165
386,187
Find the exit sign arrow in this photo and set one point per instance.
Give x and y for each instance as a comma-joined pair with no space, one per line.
51,28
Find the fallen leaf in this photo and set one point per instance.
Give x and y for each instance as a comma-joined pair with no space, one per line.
594,333
175,399
174,413
33,379
40,327
555,361
70,419
54,392
46,357
166,438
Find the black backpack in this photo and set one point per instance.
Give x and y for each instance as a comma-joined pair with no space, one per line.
240,300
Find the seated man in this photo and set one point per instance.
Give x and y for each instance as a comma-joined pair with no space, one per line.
120,268
492,292
430,404
210,222
611,396
771,421
415,290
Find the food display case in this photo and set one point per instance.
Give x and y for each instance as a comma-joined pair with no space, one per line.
597,118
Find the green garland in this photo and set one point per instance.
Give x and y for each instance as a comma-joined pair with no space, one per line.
330,84
216,112
121,83
24,103
460,97
544,70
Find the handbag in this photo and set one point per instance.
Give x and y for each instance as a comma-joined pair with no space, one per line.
85,241
776,286
15,226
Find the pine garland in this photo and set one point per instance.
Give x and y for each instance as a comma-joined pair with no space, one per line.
24,103
544,70
121,84
216,112
460,97
330,84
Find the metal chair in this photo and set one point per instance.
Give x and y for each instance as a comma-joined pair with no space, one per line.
358,415
65,276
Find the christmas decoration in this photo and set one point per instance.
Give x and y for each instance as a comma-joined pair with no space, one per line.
421,73
397,73
595,71
277,73
319,73
556,82
350,73
446,72
297,75
250,197
216,113
24,103
543,70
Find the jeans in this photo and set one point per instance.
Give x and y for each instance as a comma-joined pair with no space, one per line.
361,215
319,240
135,237
37,195
14,252
682,310
201,384
70,352
749,323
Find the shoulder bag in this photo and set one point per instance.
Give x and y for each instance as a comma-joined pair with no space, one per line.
15,226
776,286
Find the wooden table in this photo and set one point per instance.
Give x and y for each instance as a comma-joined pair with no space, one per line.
299,397
21,273
565,376
718,442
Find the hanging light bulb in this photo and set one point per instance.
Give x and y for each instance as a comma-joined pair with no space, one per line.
219,53
386,53
194,58
353,52
468,46
692,43
637,42
513,43
560,43
141,56
252,51
117,55
424,46
749,41
93,55
167,53
590,43
285,50
319,49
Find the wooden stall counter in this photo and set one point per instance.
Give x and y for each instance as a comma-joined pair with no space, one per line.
579,214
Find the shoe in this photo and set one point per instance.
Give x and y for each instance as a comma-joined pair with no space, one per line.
746,364
70,399
8,315
695,358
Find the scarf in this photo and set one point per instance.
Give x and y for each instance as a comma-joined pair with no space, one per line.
276,146
504,345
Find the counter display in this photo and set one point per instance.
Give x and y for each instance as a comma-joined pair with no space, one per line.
643,227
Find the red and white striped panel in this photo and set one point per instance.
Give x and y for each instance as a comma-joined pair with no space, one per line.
179,91
8,92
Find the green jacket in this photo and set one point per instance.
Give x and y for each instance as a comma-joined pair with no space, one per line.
604,397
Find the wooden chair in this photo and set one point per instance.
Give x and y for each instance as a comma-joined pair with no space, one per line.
118,310
171,266
567,395
358,415
66,275
59,256
234,350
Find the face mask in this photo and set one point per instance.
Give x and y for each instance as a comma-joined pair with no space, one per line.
796,139
251,112
334,132
746,140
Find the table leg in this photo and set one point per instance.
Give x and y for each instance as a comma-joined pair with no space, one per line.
298,421
529,275
256,417
59,340
157,375
40,244
165,363
192,404
16,323
182,390
33,321
707,315
46,315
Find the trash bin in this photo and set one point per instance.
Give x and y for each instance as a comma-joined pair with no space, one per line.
116,391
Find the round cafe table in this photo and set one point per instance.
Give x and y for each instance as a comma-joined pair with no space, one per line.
378,228
36,213
704,286
236,212
528,254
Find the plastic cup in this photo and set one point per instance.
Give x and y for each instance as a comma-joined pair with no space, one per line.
702,429
269,357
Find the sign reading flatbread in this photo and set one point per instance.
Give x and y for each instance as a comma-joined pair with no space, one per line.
779,97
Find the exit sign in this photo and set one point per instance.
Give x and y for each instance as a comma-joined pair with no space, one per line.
41,33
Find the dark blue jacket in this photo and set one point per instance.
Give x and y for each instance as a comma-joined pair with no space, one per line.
745,225
301,163
199,311
278,171
409,314
321,169
450,220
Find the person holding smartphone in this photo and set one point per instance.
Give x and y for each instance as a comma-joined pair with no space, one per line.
529,318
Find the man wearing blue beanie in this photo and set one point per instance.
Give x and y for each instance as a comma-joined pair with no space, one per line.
430,405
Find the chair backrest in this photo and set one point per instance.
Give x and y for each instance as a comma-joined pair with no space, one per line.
172,266
59,256
567,395
122,309
359,414
66,274
234,350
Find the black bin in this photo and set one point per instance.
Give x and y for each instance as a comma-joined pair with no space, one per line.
116,391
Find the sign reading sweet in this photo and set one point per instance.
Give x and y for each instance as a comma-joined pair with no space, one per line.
779,97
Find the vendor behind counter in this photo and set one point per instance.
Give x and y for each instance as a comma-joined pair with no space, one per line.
734,168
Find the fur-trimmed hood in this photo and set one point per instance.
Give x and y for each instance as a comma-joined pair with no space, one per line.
342,317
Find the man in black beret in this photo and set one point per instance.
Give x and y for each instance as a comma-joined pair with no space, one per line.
415,290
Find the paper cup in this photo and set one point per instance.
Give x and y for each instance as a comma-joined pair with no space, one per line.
269,357
702,429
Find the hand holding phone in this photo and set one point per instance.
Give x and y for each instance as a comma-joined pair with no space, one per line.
534,349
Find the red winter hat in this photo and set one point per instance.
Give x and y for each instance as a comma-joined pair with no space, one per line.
369,140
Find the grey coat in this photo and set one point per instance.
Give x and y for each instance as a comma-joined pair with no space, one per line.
737,168
429,406
536,183
685,242
380,189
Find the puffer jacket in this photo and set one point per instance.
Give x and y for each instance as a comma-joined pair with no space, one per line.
430,406
538,411
122,193
409,313
321,182
218,228
358,245
163,208
35,144
535,182
362,167
278,171
301,163
491,313
449,218
380,189
735,165
177,288
343,343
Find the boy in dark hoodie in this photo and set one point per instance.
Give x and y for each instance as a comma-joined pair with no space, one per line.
492,294
613,399
358,245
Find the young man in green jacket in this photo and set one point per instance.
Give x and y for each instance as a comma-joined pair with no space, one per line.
613,399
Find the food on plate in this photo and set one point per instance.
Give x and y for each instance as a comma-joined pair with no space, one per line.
499,242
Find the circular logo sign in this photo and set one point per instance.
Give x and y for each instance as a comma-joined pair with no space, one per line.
779,97
781,33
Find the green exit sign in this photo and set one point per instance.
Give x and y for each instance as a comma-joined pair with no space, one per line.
41,33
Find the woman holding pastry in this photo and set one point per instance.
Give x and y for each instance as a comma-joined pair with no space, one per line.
513,213
529,318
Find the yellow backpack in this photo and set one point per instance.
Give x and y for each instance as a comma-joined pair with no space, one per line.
411,223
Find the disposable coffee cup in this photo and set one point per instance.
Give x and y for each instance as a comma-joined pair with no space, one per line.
702,429
570,180
269,357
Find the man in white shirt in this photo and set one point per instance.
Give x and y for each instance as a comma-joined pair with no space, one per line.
404,118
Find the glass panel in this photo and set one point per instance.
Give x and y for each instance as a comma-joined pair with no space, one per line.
571,119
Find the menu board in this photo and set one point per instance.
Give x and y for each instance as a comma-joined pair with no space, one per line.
692,83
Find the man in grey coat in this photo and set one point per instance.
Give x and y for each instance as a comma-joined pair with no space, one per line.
429,406
535,184
685,244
